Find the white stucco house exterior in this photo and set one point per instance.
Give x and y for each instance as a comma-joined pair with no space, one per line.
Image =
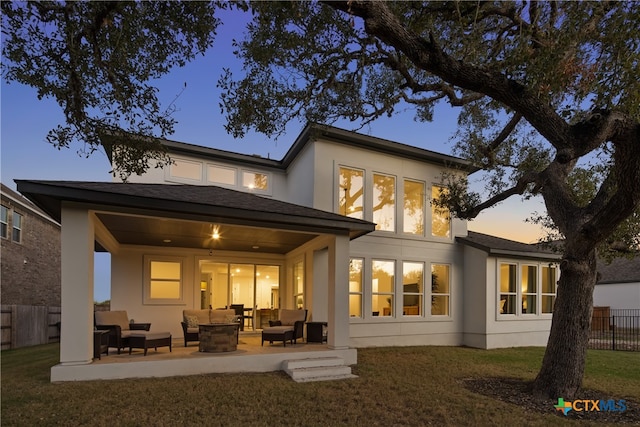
341,226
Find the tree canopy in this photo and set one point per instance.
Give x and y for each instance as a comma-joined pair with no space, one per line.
98,61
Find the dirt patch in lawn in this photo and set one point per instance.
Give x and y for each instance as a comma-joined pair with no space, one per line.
517,392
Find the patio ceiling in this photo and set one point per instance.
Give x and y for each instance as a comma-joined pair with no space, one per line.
155,231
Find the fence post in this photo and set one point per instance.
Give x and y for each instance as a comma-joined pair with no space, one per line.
613,335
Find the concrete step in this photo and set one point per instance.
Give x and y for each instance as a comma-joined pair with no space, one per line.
317,369
320,373
312,363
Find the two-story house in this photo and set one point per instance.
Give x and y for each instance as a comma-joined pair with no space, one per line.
342,226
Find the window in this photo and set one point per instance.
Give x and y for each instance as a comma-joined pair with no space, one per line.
413,220
351,188
4,222
529,283
384,202
440,217
549,284
163,284
532,284
255,181
298,284
355,287
412,288
16,234
507,289
382,287
186,169
440,290
221,175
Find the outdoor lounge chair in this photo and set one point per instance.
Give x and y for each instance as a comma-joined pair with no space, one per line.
290,327
119,327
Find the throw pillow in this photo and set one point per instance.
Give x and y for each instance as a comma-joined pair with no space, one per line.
230,318
191,321
275,323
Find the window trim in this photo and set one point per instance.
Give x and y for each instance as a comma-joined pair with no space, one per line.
394,229
340,189
20,229
174,178
295,292
146,295
432,294
361,292
241,186
519,315
431,216
404,233
6,210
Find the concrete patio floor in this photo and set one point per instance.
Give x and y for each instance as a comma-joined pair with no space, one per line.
250,357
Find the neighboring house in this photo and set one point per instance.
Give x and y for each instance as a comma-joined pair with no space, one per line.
619,284
30,242
342,226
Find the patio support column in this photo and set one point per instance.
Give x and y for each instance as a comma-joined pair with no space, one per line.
338,284
76,336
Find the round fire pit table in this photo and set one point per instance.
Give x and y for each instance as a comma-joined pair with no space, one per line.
218,337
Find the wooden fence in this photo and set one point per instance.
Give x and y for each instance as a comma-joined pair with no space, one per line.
26,325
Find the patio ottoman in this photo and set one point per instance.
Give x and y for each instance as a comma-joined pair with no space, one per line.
146,340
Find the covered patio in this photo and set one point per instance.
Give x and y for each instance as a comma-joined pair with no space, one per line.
133,221
250,357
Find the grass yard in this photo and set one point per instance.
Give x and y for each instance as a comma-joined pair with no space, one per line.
407,386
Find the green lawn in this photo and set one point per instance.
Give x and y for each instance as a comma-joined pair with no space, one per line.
409,386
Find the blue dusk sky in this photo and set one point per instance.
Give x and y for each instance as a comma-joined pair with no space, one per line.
25,121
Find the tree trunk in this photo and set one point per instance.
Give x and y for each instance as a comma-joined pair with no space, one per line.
564,359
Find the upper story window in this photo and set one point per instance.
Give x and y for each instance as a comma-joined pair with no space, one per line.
526,289
351,194
355,287
413,218
255,181
221,175
384,202
440,217
186,169
4,222
16,234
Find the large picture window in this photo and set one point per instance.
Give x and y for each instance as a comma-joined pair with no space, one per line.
533,285
350,193
298,284
163,280
413,218
355,287
382,287
440,289
440,217
384,202
412,288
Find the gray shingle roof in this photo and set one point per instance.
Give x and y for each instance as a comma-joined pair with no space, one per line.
499,246
189,199
620,270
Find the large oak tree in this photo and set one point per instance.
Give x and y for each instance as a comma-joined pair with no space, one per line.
548,95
